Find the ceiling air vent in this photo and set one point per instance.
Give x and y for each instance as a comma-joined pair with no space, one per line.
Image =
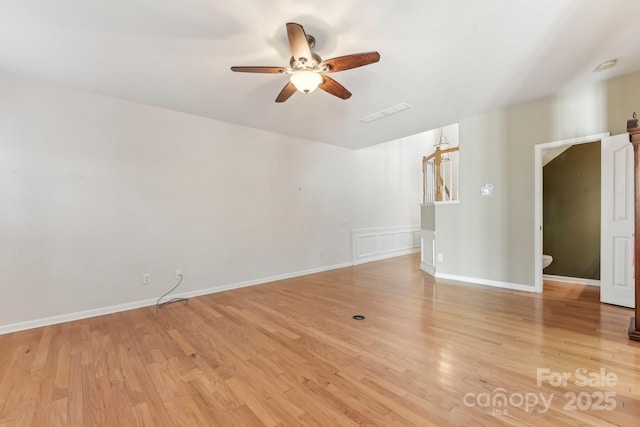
385,113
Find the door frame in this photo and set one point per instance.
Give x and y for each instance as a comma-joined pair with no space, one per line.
537,223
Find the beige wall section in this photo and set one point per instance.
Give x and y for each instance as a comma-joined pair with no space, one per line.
468,230
624,98
428,217
493,238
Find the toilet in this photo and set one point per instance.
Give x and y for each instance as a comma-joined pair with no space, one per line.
546,260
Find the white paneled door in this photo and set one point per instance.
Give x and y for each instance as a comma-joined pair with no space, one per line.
617,215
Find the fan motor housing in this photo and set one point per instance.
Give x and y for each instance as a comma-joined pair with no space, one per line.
305,63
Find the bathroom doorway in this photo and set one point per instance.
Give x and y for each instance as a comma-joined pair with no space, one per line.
571,213
543,155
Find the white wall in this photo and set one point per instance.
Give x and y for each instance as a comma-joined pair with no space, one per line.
95,191
492,239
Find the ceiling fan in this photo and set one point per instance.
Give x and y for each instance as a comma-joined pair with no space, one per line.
307,71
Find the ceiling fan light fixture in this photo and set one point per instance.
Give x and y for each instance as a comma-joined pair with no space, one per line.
307,70
306,81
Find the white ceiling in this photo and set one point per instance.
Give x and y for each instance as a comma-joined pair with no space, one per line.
448,59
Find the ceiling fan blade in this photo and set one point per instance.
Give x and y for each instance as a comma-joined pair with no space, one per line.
351,61
298,42
334,88
286,92
259,69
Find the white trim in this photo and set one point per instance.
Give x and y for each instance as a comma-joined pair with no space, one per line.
487,282
53,320
375,244
428,252
443,202
46,321
428,269
385,255
577,280
378,230
537,223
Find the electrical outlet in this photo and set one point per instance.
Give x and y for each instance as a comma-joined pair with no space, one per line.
146,279
440,257
178,274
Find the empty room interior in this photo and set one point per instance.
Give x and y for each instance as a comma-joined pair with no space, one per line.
336,213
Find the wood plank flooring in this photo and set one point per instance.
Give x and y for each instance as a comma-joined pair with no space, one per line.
288,353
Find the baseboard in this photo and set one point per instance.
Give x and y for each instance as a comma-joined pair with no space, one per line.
85,314
53,320
428,269
255,282
577,280
380,257
487,282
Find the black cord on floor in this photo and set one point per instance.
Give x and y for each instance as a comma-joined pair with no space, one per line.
161,305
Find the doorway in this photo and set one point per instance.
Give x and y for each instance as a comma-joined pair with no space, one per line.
538,214
571,213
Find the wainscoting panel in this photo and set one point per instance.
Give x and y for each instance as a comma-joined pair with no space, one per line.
372,244
388,242
407,240
368,246
428,257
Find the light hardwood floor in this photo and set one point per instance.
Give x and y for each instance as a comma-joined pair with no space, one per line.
288,353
